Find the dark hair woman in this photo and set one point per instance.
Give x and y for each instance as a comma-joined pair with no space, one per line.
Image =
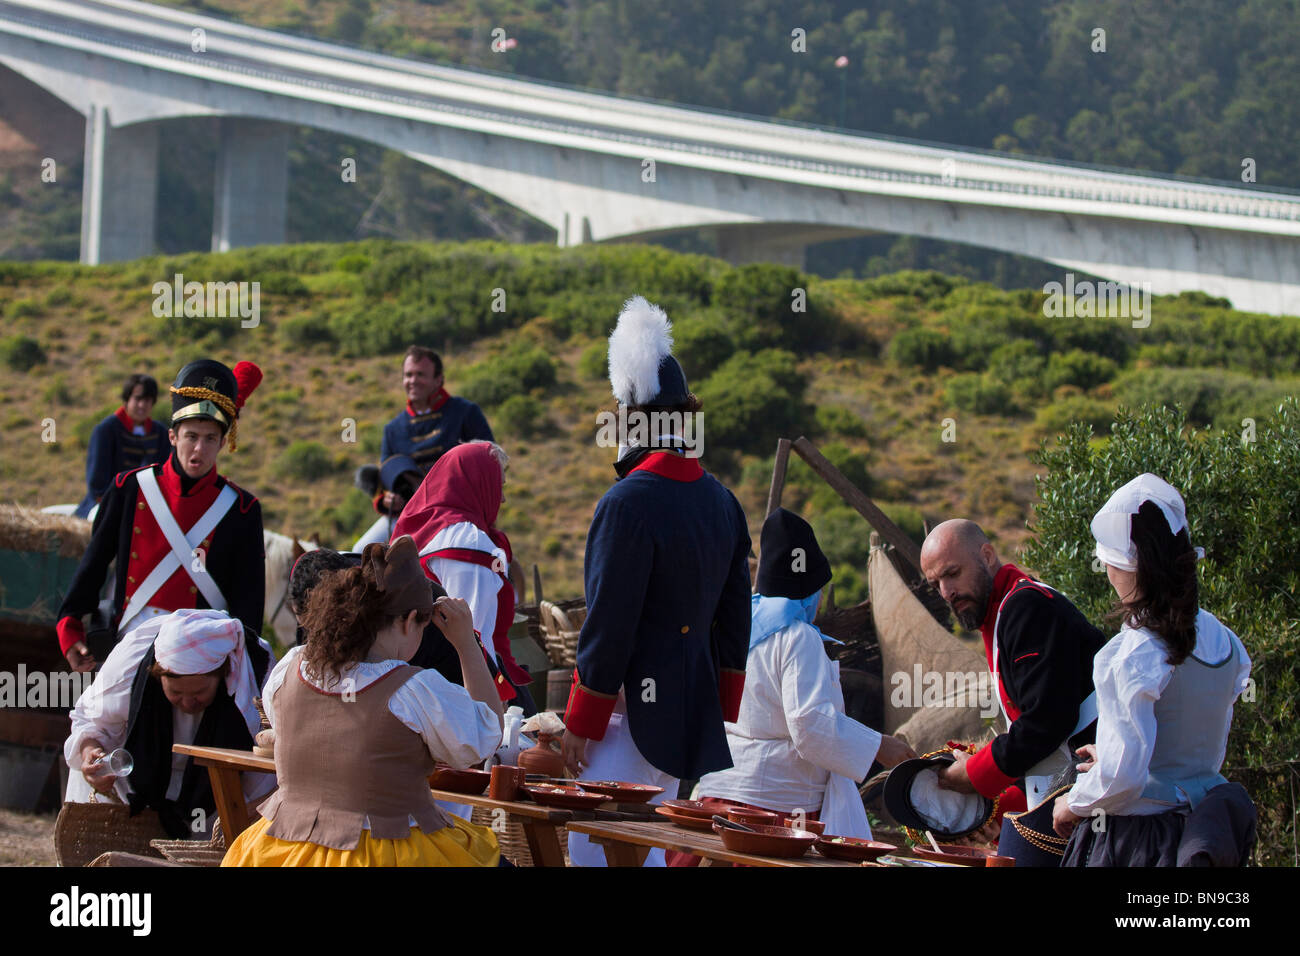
1166,684
358,730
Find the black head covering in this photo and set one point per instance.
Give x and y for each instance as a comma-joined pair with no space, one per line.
211,376
672,385
791,564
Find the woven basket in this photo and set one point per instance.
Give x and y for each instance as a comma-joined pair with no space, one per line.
561,624
513,841
85,830
194,852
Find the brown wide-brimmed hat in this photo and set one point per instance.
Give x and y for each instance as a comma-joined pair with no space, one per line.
397,571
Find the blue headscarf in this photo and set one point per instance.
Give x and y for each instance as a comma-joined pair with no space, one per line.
771,614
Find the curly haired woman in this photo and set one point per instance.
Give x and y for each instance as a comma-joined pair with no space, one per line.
358,730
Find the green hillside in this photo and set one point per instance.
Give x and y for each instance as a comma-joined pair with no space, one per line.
929,392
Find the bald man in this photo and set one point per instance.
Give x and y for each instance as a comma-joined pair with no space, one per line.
1040,648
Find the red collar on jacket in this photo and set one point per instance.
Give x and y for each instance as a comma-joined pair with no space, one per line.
439,400
129,425
170,481
670,465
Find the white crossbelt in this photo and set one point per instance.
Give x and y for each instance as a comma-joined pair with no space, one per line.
182,548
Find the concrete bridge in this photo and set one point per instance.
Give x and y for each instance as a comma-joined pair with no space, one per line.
592,166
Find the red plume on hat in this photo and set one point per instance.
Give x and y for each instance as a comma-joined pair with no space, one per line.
247,376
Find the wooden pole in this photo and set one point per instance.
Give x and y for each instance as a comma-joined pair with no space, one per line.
859,501
537,585
778,475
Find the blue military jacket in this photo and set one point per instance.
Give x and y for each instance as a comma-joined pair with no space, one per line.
668,608
115,448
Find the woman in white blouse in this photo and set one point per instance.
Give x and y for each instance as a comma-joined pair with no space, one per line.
358,730
1166,684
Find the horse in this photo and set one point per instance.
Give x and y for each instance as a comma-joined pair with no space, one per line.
281,552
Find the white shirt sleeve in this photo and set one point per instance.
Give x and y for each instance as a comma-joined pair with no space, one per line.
814,708
103,710
1130,674
457,729
276,678
476,585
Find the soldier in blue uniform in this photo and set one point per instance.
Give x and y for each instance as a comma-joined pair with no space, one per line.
432,422
661,657
124,441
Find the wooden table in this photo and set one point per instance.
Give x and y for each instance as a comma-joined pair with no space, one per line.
542,825
627,842
224,767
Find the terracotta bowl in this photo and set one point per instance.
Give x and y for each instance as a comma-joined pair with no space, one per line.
567,798
812,826
852,848
694,808
751,818
952,853
471,782
622,792
767,841
703,824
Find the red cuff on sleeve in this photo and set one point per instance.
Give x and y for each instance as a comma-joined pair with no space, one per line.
731,686
587,714
70,631
379,504
984,774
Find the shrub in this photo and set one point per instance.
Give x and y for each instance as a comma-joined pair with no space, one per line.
1242,498
594,362
521,415
979,393
920,347
304,331
838,421
1079,368
1209,396
1019,365
701,343
1056,418
305,461
760,303
353,262
24,308
20,352
517,371
753,400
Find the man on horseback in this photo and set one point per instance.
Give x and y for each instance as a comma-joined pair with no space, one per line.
432,422
183,535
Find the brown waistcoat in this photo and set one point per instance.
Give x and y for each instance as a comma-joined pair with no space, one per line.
342,759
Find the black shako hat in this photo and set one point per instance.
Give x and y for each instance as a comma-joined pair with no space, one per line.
192,393
897,796
791,564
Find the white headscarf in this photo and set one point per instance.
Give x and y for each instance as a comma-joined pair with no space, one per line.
1112,525
193,641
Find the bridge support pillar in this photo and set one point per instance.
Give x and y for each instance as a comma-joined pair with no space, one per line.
119,193
741,245
252,184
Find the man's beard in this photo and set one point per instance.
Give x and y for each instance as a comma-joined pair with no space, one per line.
971,617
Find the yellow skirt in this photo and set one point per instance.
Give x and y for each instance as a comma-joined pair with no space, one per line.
461,844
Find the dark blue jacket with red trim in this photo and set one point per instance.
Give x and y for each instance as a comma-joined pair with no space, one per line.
124,530
115,448
667,587
1045,651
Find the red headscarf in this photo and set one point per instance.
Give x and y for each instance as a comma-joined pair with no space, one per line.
463,485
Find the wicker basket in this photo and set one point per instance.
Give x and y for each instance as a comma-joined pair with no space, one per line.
85,830
194,852
561,625
513,841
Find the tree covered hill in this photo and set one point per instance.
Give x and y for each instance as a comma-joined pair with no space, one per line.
1194,88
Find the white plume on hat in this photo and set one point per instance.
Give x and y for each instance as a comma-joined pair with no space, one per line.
638,344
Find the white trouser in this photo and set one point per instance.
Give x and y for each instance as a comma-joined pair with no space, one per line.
379,532
616,758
